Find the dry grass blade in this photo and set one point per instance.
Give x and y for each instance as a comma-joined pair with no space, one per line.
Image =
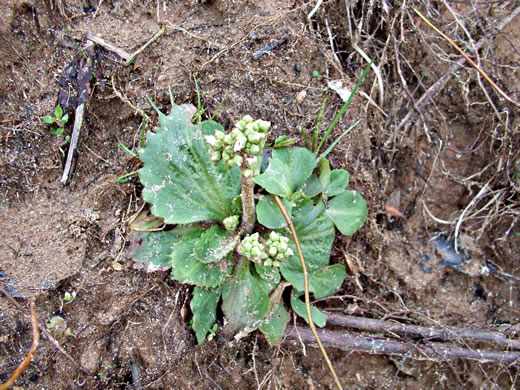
306,286
30,355
497,88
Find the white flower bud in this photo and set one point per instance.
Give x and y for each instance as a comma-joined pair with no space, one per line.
228,140
215,156
255,150
238,160
252,162
210,139
247,119
241,125
219,135
263,126
255,137
274,236
272,251
235,133
240,142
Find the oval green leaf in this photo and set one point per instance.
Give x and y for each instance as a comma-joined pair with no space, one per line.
348,211
204,308
339,179
268,213
287,171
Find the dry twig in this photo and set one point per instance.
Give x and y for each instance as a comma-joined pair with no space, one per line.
45,332
30,354
347,341
439,84
446,334
497,88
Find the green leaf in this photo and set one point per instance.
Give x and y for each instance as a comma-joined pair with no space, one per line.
151,251
58,112
339,179
312,186
287,171
204,308
324,172
270,274
322,282
244,300
298,306
328,280
49,119
348,211
268,213
273,327
58,131
187,269
65,119
315,232
179,179
208,249
284,142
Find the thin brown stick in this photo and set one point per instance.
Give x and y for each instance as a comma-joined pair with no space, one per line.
78,120
30,355
432,351
447,334
45,332
142,48
497,88
439,84
306,289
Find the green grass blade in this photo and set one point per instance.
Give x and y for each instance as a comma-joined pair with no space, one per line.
126,177
317,124
347,103
324,154
123,147
306,139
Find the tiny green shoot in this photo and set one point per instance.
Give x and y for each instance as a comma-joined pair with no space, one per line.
125,149
69,297
59,120
126,177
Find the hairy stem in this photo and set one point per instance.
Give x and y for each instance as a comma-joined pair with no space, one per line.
248,205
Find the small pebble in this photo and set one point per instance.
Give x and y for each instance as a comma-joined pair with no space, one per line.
300,97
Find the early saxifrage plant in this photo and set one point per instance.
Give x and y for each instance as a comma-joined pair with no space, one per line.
219,191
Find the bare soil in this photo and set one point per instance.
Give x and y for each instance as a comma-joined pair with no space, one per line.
452,171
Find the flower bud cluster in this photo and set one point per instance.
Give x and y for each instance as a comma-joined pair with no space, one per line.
231,223
245,142
277,249
252,248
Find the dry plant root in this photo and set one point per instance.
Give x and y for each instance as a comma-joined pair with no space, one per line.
496,87
306,285
30,355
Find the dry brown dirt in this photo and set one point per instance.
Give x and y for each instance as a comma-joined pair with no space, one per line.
457,161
